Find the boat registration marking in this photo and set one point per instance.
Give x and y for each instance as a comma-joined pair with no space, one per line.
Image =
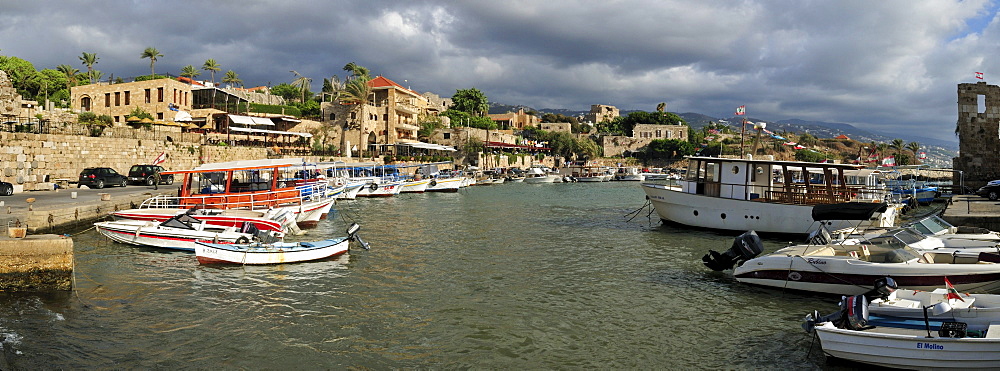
930,346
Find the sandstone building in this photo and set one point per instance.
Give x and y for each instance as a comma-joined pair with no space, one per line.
392,116
641,136
600,113
978,133
514,120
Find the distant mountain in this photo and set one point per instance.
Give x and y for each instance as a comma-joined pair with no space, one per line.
939,152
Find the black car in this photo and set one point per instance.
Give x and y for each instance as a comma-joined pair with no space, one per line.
990,191
146,174
98,177
6,189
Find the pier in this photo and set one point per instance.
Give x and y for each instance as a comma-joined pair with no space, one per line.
973,211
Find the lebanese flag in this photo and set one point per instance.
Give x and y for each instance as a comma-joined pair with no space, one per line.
952,293
979,75
799,147
159,159
790,144
741,110
923,156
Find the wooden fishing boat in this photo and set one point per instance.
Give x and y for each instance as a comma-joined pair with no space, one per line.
258,253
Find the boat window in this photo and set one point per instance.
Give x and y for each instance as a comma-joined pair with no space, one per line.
251,180
932,225
208,183
736,169
908,236
891,252
711,172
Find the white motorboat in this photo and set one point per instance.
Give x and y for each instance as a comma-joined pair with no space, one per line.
977,311
536,175
764,196
629,174
852,269
179,233
445,184
852,335
415,186
280,220
379,188
259,253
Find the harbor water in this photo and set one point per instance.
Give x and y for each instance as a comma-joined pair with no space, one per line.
510,276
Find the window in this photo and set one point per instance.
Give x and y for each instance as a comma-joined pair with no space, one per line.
385,116
128,98
658,134
354,115
447,135
148,96
107,99
118,98
159,94
117,118
333,116
159,115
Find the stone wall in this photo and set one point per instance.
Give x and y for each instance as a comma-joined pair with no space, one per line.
978,133
35,161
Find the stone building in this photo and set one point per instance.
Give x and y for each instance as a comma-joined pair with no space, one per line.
641,136
392,116
161,98
556,126
515,120
600,113
436,104
978,133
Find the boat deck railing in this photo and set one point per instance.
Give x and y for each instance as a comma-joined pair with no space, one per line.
794,194
301,193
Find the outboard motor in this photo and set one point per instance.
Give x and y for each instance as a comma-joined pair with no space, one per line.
853,315
352,233
819,236
745,247
883,287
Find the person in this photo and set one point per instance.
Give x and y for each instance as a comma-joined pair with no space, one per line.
156,179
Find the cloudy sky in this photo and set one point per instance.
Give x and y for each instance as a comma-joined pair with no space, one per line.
890,66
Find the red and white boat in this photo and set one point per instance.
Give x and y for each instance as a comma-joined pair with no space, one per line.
259,253
179,233
258,185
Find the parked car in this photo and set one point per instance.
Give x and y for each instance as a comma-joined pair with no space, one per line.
98,177
6,189
990,191
145,174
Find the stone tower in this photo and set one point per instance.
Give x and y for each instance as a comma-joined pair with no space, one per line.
978,133
10,101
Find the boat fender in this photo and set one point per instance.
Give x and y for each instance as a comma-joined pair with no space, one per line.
242,240
434,183
373,187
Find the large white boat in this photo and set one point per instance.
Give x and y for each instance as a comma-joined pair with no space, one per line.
764,196
536,175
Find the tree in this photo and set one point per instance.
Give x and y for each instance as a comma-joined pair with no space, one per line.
429,124
898,145
809,156
471,101
669,148
357,92
190,72
285,90
357,71
302,83
22,75
71,74
153,55
211,66
558,117
661,107
332,87
232,78
89,60
623,125
915,147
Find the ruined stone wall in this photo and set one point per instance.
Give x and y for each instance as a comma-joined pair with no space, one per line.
978,133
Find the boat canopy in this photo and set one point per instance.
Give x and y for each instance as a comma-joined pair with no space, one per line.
848,210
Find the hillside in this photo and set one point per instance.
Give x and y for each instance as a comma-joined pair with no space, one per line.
939,152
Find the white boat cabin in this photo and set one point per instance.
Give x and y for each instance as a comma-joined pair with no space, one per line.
790,182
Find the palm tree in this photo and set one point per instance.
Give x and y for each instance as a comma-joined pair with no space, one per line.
211,66
898,144
71,74
232,78
334,87
152,54
915,147
89,60
661,107
356,70
190,72
357,92
302,83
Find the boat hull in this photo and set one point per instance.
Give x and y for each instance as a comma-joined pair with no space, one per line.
908,349
417,186
277,253
742,215
147,234
445,185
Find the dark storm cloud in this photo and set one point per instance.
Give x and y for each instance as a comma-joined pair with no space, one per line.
889,65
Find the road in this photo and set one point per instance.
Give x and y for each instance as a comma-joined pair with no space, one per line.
15,207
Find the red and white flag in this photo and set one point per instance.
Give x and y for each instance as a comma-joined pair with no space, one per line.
741,110
979,75
159,159
952,292
923,156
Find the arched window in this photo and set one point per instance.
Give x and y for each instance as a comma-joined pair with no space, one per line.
85,104
333,116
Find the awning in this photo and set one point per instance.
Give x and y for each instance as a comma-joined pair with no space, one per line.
182,116
247,120
423,145
262,131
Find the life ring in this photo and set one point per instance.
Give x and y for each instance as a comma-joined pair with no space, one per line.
434,183
242,240
373,187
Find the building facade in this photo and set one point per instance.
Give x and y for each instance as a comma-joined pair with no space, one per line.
391,116
600,113
515,120
978,133
641,136
161,98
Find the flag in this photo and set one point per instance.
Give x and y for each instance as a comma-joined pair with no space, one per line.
159,159
952,293
799,147
979,75
741,110
923,156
